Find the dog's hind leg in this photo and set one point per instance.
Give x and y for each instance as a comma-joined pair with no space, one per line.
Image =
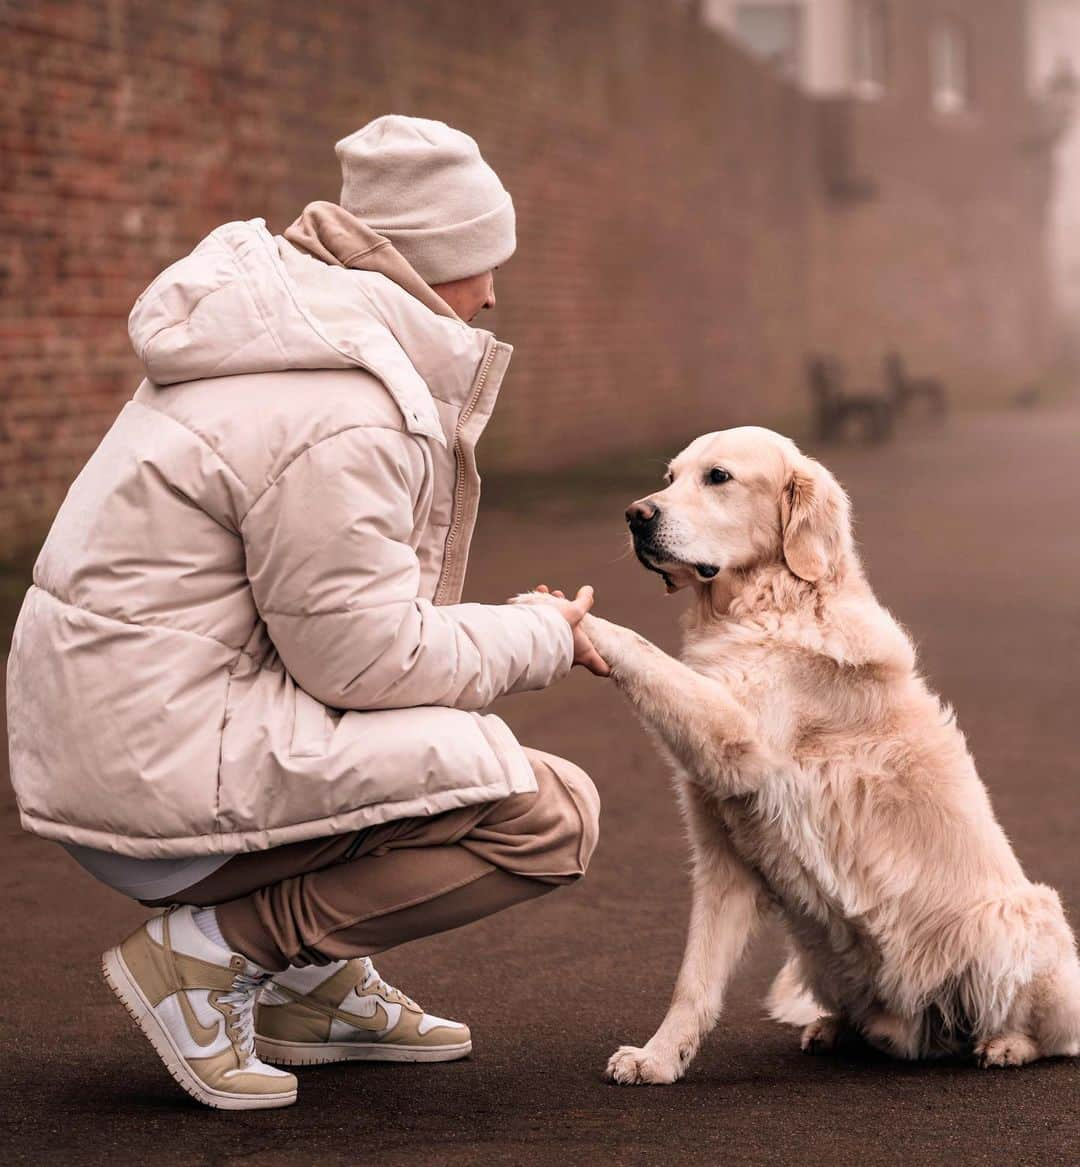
727,900
1042,1018
1043,1023
1057,1010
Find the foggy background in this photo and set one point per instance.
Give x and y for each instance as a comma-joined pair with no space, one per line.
728,212
708,192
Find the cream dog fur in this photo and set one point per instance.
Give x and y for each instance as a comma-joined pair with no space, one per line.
820,777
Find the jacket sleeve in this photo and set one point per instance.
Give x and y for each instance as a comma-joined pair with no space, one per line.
336,578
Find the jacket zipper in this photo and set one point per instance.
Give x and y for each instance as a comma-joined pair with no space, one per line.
459,474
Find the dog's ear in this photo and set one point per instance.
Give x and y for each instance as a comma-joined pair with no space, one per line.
815,519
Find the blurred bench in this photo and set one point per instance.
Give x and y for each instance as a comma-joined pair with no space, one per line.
835,404
905,389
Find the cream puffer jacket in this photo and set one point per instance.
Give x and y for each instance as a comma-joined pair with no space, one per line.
244,627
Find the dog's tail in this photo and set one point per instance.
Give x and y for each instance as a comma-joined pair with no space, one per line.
789,1000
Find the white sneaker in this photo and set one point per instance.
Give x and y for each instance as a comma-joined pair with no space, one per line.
347,1012
195,1001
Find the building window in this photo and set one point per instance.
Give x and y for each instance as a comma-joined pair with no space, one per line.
950,67
870,47
773,32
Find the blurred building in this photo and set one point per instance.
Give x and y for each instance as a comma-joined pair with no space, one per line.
1054,68
827,47
707,191
946,58
938,128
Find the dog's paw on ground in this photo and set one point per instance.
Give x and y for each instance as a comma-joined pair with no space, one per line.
1011,1049
820,1036
630,1066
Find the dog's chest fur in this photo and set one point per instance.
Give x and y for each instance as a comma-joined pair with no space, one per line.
784,831
840,956
778,830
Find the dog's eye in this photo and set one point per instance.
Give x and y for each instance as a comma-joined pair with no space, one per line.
669,478
718,477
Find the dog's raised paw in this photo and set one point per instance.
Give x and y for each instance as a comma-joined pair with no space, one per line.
533,598
631,1066
1010,1049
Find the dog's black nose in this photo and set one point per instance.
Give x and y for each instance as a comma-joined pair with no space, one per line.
642,515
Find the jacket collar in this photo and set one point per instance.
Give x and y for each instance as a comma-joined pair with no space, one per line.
348,274
338,238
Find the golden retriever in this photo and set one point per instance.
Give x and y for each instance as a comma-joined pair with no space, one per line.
820,778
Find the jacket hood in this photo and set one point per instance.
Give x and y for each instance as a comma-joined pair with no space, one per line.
244,301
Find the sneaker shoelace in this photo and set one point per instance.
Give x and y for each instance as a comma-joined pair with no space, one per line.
241,1000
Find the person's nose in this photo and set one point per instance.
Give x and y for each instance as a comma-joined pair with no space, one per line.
642,515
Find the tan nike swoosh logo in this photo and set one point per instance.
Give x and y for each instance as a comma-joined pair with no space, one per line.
203,1035
380,1019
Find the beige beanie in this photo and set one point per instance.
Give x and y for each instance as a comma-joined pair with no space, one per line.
425,187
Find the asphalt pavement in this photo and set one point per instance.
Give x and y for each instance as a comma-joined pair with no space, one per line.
972,538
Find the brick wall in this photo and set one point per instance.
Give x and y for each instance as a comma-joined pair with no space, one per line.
677,251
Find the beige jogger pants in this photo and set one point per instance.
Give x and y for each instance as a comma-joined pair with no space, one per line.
361,893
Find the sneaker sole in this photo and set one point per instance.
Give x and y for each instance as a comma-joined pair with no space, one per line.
118,977
321,1053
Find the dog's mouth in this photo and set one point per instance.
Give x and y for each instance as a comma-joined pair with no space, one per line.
644,558
652,560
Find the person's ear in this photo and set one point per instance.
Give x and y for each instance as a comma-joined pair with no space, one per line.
815,520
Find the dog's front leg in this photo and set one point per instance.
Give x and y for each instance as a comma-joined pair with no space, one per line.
705,729
726,907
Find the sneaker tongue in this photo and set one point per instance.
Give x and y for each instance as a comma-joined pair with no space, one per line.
370,981
368,975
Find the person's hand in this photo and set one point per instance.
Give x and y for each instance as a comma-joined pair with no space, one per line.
574,611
